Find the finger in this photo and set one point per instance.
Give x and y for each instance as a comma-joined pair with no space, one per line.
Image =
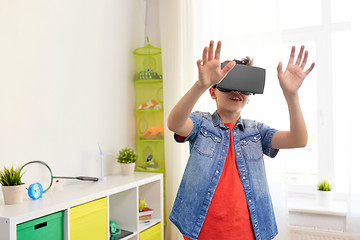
205,55
305,60
198,63
291,59
228,67
310,68
217,50
211,50
298,60
279,69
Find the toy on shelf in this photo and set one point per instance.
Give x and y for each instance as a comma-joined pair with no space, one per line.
145,213
148,74
116,232
152,104
114,229
42,172
151,155
35,191
142,204
101,157
151,163
154,132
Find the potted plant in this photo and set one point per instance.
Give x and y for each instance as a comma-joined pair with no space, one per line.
127,158
12,187
324,193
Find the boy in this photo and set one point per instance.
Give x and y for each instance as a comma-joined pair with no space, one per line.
224,192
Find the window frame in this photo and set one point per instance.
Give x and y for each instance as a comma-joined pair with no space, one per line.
322,36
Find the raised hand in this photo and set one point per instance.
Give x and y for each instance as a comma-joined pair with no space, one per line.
294,75
210,71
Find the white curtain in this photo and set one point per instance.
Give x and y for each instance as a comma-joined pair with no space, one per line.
353,218
176,21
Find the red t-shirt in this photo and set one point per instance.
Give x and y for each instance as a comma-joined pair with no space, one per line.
228,214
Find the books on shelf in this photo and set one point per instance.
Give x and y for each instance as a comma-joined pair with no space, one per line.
145,221
145,215
146,212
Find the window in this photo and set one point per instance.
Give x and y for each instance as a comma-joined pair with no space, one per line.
267,34
325,157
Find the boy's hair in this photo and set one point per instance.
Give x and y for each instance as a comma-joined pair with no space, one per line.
245,61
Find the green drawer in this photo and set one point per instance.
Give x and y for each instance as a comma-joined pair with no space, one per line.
47,227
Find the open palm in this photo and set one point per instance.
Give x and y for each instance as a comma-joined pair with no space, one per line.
294,75
210,72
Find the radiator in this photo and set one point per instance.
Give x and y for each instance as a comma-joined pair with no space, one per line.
314,234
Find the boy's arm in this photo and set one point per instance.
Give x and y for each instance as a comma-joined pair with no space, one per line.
178,120
210,73
290,82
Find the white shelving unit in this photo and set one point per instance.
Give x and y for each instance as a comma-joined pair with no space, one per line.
122,193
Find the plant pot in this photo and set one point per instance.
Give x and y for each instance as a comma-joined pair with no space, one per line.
13,194
324,198
127,169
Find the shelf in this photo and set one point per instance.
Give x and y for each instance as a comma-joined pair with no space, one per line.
146,81
160,170
150,139
124,235
122,194
128,237
150,110
144,226
308,213
310,206
150,131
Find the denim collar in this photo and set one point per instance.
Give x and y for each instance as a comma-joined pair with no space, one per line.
218,122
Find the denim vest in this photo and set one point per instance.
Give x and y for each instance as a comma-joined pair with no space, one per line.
209,143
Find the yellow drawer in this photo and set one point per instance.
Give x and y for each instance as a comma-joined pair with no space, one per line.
89,220
153,233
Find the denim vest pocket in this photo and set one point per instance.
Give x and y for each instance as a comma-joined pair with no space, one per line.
205,143
251,147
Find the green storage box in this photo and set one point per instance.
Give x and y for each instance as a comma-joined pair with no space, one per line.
150,155
147,91
148,62
47,227
150,124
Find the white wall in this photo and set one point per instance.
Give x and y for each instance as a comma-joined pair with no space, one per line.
153,23
66,81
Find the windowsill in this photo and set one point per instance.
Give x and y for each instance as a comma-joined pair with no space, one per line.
306,212
308,205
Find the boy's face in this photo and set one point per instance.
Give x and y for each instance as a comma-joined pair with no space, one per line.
230,102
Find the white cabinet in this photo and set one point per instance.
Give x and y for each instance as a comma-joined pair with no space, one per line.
122,194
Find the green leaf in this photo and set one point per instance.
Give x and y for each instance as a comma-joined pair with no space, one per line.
324,186
10,176
127,155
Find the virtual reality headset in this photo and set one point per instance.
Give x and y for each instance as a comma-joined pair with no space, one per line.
245,79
